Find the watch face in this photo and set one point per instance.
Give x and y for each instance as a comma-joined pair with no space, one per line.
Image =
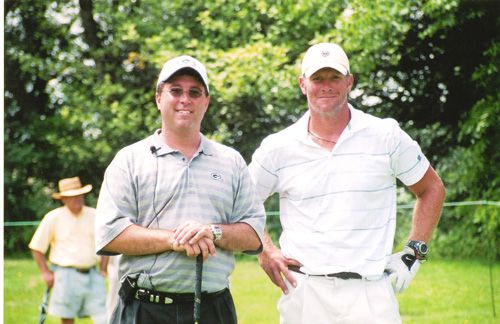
423,249
420,247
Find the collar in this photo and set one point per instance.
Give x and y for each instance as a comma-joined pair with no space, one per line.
206,146
359,120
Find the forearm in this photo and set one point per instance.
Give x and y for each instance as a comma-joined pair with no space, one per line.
238,237
39,258
427,210
268,242
47,274
137,240
425,219
104,263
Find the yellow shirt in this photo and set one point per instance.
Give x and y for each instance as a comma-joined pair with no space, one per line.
69,236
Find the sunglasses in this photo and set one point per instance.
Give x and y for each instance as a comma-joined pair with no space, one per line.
192,93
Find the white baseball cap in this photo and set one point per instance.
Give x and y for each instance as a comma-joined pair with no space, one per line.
324,55
179,63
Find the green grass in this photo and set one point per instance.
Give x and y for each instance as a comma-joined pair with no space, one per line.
452,292
443,292
254,294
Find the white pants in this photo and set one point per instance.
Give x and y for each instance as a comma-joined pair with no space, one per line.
322,300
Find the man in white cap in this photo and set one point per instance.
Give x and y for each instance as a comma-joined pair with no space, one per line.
173,196
78,287
335,171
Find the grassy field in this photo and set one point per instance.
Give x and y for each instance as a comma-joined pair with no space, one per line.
443,292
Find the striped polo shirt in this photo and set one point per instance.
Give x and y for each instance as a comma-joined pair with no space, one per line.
160,189
338,207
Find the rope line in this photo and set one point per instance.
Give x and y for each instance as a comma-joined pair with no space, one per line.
276,213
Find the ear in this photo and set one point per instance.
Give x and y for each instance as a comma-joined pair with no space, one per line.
207,104
157,99
302,85
350,82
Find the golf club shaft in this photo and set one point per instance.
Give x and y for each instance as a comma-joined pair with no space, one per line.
197,290
43,306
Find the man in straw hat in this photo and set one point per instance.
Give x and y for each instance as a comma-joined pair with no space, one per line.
173,196
335,171
78,287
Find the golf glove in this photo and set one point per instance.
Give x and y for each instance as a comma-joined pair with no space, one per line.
402,268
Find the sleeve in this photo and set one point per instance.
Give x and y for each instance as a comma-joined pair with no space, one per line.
117,204
408,161
44,234
248,207
262,172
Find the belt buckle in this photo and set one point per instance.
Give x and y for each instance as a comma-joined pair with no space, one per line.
139,291
153,298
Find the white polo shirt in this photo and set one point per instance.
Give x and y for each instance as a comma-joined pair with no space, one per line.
338,208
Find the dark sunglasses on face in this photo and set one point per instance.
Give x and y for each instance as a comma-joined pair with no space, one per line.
193,93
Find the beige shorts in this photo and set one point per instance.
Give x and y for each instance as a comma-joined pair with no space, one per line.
324,300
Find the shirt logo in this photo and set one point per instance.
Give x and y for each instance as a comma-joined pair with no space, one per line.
215,176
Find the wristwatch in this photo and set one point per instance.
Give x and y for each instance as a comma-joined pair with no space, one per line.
216,231
421,249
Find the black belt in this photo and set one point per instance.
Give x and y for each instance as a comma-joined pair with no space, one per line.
85,271
80,270
340,275
158,297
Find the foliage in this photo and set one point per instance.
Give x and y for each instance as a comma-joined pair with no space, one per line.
80,76
473,168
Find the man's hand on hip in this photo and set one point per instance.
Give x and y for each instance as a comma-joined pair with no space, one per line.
275,264
402,268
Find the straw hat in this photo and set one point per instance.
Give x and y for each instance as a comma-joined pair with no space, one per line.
71,187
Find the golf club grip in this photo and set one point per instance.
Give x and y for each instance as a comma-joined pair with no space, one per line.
197,290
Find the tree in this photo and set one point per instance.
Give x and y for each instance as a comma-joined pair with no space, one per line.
80,79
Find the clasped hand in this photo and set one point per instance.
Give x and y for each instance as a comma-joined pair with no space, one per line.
194,238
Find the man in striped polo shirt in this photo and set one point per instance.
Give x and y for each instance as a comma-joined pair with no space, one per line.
335,171
171,197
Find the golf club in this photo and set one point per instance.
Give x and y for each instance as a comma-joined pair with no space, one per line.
197,289
44,306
